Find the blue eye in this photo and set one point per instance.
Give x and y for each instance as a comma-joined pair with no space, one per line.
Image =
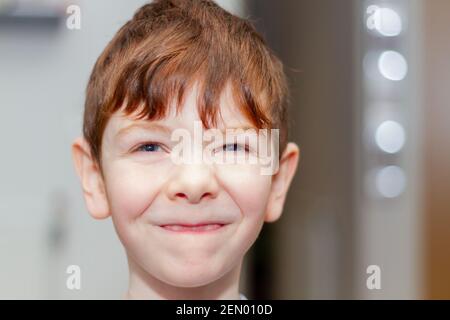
234,147
149,147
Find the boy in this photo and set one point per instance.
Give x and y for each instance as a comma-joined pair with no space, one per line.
185,225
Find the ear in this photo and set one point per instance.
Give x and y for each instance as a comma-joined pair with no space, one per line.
91,179
281,182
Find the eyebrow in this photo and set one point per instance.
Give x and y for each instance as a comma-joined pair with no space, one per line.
166,130
245,128
146,126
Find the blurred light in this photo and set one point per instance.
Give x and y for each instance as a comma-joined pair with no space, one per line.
390,136
390,181
385,20
392,65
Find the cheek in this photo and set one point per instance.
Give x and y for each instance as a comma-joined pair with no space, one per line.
249,189
131,188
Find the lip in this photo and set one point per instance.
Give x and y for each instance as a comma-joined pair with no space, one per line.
197,228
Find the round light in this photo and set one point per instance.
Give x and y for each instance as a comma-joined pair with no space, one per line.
387,22
390,136
392,65
390,181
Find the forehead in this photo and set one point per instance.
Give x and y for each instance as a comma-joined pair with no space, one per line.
229,113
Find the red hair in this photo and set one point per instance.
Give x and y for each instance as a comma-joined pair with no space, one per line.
166,47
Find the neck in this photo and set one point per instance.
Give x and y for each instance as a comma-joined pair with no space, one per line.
142,285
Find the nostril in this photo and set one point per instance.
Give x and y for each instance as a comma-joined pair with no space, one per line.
181,195
192,197
207,194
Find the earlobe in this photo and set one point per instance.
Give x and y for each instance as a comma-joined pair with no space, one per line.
91,179
281,182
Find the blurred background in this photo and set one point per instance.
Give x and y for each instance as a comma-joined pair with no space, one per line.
369,109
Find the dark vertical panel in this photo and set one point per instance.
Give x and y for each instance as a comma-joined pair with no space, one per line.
437,149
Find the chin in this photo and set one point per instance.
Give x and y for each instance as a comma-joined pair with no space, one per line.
190,276
192,281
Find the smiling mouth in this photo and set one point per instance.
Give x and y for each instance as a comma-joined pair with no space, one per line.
193,228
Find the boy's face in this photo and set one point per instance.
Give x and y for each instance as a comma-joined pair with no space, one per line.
185,224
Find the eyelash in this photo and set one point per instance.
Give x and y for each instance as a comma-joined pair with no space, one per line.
140,147
245,147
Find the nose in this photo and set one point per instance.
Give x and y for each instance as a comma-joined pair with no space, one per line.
192,183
